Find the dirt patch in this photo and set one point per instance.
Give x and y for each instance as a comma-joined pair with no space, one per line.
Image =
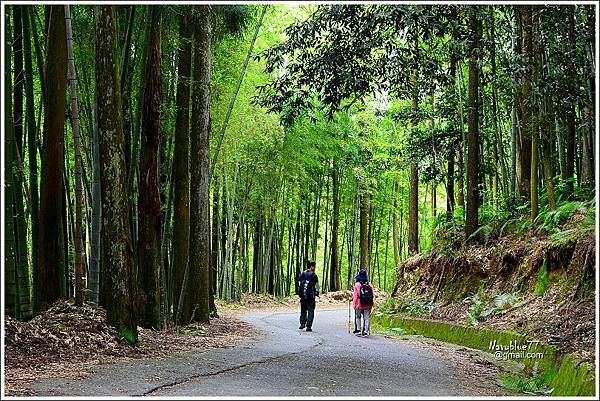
67,341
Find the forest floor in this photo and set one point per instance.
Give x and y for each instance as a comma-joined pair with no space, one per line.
69,342
285,361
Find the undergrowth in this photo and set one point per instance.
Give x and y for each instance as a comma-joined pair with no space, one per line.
536,384
405,305
482,306
505,219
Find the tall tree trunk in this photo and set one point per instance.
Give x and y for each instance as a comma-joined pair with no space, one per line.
497,145
587,171
96,249
413,212
17,46
181,212
118,270
364,232
543,117
546,160
235,93
434,159
126,83
324,281
199,259
149,213
334,271
524,179
462,142
570,109
47,287
10,157
515,130
471,221
38,53
23,304
396,229
535,68
32,143
518,100
78,168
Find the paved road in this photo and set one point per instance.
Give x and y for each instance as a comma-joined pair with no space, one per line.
283,362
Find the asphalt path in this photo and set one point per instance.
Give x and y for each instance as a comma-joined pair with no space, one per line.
283,361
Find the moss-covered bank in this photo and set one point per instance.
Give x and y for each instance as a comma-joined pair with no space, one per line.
565,375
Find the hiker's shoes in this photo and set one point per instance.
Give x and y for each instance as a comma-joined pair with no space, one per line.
308,329
365,334
301,327
356,331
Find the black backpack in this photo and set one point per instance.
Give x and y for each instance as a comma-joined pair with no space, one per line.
306,288
365,294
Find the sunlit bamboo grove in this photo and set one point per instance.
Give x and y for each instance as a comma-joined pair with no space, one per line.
159,158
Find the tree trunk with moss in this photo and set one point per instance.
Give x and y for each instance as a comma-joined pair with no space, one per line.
118,268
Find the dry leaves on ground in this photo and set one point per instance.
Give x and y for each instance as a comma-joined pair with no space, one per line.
66,341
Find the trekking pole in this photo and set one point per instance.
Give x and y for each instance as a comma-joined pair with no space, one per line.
349,315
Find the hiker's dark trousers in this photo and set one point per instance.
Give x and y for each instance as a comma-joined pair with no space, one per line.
307,307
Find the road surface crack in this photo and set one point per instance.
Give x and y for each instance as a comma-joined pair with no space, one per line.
227,370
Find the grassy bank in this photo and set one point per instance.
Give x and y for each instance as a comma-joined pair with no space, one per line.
561,374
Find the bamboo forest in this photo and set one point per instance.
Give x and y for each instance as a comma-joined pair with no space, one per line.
173,172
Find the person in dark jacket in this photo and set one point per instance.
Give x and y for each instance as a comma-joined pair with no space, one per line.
307,288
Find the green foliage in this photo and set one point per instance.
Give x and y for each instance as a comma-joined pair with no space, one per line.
589,221
484,231
482,307
128,335
475,310
537,384
395,331
502,303
542,281
405,305
549,221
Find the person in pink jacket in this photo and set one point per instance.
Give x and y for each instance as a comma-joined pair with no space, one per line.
362,299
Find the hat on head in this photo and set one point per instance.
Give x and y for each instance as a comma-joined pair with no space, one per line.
362,276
